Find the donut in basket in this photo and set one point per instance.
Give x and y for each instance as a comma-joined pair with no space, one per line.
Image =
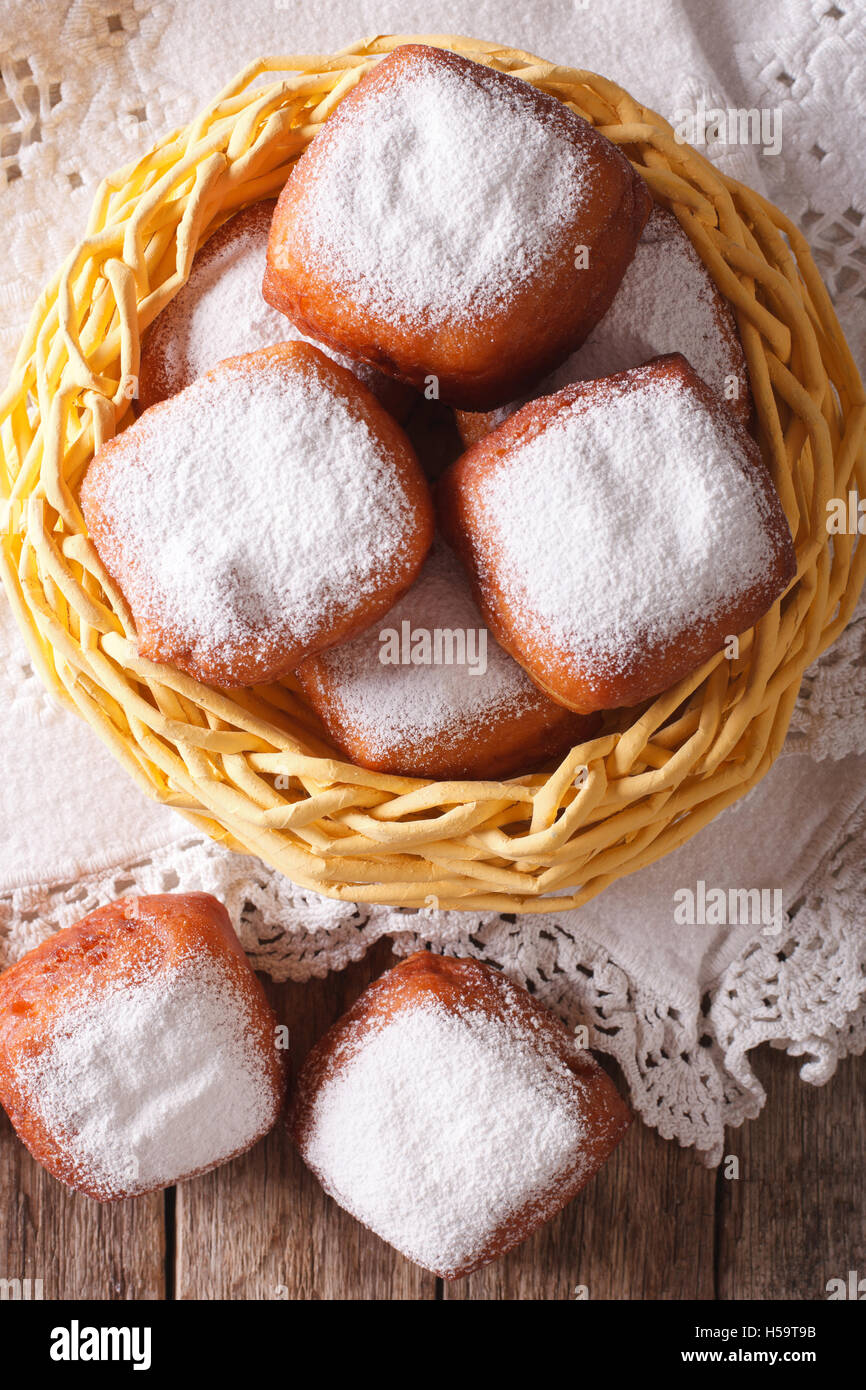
453,224
618,532
268,510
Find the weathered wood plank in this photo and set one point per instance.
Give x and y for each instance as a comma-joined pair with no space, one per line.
77,1247
262,1227
796,1216
642,1229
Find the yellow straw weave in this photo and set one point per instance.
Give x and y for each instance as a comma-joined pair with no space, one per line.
251,767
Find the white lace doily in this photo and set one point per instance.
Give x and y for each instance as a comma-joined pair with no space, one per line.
87,84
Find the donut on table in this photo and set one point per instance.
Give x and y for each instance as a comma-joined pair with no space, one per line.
220,312
137,1047
428,692
452,1114
271,508
667,302
618,533
452,222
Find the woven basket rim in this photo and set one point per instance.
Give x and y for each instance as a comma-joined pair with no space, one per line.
250,767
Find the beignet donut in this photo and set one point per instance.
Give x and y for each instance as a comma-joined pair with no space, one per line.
271,508
667,302
428,691
452,1114
220,312
137,1047
618,532
452,221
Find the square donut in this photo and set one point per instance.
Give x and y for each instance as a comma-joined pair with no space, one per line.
454,226
137,1047
452,1114
270,508
428,691
618,533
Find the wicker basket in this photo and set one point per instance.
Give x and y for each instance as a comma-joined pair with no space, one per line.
251,767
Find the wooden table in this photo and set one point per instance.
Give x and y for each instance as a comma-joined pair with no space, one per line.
655,1224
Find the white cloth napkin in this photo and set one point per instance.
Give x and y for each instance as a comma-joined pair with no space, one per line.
774,839
68,814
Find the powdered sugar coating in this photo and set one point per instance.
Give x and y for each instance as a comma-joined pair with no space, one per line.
444,1125
634,516
503,180
153,1079
666,302
390,705
254,512
220,311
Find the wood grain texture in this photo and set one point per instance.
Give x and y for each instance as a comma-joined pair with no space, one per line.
77,1247
796,1216
262,1227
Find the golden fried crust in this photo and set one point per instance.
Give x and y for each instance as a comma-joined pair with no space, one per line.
108,947
475,425
459,986
161,374
260,662
513,741
489,360
582,686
